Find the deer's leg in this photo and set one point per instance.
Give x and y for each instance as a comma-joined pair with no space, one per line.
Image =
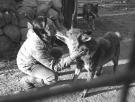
90,76
89,21
98,72
115,62
85,91
79,66
116,59
93,24
77,73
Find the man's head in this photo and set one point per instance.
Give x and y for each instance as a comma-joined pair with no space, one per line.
43,27
39,22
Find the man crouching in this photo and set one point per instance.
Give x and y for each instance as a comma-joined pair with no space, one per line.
34,57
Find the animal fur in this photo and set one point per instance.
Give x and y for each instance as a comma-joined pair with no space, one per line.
90,13
99,51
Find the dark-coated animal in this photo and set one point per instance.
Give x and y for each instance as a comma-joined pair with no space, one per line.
99,51
90,13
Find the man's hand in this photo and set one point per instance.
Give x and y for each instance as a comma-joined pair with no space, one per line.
77,54
67,61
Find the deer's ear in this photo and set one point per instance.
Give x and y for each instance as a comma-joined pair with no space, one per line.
85,38
29,25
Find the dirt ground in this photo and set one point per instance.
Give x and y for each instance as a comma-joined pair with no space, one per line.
124,23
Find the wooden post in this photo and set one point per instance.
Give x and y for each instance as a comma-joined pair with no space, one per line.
68,10
74,15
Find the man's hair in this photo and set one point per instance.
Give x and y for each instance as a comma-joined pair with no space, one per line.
39,25
39,22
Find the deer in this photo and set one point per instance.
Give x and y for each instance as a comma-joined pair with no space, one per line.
90,13
99,51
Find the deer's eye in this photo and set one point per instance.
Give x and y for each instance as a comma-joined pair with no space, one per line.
70,33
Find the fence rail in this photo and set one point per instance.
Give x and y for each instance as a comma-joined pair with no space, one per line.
68,87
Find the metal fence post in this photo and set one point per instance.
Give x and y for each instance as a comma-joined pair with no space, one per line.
131,67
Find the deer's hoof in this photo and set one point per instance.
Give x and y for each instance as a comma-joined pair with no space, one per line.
84,94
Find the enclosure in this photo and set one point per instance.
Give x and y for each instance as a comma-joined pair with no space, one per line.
114,15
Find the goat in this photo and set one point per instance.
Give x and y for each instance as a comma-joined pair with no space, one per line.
99,51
